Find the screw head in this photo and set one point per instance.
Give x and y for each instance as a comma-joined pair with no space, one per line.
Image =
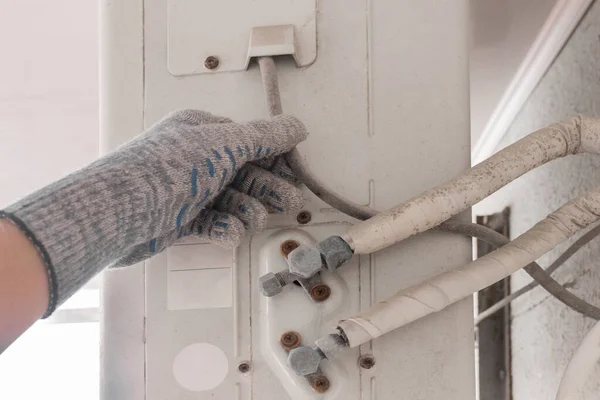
211,62
303,217
288,246
320,384
320,292
244,367
366,362
290,340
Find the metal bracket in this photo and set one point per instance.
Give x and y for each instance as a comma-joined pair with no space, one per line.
305,264
493,334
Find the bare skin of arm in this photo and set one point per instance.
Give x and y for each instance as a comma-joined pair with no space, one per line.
23,284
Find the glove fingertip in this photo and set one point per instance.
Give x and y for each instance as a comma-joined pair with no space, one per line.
220,228
293,125
293,200
232,236
279,135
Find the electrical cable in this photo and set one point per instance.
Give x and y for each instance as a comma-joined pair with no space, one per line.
268,74
330,197
542,277
579,243
360,212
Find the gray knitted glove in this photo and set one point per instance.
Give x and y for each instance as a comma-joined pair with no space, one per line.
187,175
241,208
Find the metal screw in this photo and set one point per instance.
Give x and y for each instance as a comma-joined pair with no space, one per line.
320,292
288,246
366,362
244,367
211,62
290,340
319,383
303,217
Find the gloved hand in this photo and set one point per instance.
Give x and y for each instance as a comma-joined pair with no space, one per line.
223,215
190,174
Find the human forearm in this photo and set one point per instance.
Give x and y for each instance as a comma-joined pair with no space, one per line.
23,284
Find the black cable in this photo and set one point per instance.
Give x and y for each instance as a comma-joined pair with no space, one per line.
579,243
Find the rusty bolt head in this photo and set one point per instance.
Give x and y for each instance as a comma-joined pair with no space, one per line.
320,384
303,217
244,367
366,362
288,246
320,292
290,340
211,62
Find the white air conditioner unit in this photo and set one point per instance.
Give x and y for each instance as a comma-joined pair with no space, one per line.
383,88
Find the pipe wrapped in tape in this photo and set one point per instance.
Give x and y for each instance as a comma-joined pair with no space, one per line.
576,135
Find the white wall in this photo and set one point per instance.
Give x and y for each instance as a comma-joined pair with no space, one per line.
503,32
48,128
48,92
545,333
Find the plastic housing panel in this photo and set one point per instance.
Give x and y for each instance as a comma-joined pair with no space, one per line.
201,28
387,106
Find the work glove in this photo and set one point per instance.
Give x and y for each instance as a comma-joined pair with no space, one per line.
190,174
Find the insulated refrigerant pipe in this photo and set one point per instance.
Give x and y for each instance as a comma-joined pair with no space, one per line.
577,135
271,86
570,137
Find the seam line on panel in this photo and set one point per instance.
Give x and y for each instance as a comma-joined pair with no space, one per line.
370,122
372,283
250,310
236,308
143,64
